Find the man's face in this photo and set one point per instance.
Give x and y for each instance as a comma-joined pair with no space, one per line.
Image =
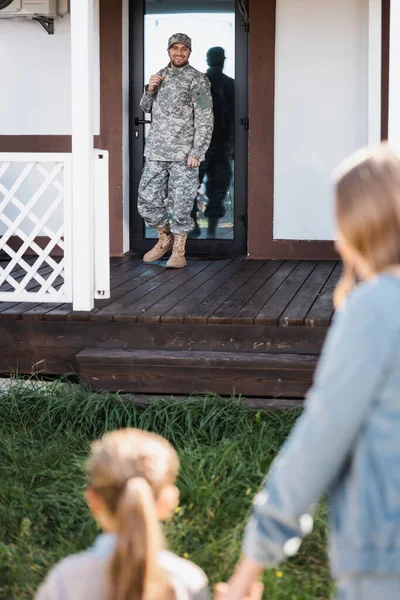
178,55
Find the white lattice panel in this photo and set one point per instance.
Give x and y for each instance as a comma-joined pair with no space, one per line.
35,227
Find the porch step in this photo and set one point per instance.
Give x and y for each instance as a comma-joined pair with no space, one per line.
186,372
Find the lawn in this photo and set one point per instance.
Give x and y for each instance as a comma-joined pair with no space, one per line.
224,448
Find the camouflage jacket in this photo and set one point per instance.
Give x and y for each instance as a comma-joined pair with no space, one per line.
182,115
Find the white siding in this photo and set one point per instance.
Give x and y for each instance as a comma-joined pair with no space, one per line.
321,108
36,79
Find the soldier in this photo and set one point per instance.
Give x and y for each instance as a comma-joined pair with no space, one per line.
180,101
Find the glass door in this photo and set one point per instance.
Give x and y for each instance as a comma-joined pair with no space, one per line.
219,49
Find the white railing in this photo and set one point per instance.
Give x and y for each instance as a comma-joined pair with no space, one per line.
35,227
39,244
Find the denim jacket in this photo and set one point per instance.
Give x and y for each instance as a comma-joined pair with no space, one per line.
346,443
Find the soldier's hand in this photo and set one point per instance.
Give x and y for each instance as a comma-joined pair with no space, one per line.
193,162
154,82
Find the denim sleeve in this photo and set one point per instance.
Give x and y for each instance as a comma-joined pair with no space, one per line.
347,381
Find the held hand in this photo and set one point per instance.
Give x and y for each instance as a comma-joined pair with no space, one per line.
154,82
224,591
193,162
245,581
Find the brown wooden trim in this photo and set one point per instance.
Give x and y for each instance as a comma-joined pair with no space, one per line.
299,250
261,133
35,143
39,143
16,242
385,69
111,124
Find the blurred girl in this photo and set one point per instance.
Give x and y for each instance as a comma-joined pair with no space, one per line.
347,442
131,488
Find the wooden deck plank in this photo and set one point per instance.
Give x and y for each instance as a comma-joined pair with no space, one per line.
170,290
229,291
18,274
127,279
36,312
117,307
100,314
117,268
154,313
178,313
206,308
15,310
4,306
136,309
65,313
297,310
180,371
276,305
320,314
249,311
226,311
117,260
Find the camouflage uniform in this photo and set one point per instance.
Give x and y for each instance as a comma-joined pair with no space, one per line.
182,126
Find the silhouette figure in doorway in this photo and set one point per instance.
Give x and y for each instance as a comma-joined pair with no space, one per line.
216,170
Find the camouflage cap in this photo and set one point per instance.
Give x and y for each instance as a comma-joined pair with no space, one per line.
180,38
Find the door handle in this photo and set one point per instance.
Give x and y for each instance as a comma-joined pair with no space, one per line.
141,122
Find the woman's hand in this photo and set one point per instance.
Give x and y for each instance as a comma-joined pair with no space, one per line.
244,583
224,591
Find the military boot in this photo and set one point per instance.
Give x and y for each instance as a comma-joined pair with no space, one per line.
164,244
178,260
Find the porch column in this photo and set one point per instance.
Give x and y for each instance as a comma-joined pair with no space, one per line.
394,74
82,153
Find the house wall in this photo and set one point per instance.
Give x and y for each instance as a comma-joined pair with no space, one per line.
321,108
317,91
27,80
36,75
266,72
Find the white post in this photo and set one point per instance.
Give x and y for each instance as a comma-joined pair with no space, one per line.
82,153
374,71
394,74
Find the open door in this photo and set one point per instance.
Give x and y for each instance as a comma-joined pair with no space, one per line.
220,210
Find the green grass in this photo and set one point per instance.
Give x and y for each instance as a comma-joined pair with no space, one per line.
225,451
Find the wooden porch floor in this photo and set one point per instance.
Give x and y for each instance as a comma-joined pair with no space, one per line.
229,291
225,326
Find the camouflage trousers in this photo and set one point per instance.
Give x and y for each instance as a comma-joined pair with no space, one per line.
168,188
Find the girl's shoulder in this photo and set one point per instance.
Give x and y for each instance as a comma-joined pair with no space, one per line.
78,575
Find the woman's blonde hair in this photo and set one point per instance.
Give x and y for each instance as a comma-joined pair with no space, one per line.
128,469
368,211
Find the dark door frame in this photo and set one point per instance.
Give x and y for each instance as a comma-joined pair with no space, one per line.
195,247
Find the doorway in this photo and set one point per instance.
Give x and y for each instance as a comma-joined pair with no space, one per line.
220,47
